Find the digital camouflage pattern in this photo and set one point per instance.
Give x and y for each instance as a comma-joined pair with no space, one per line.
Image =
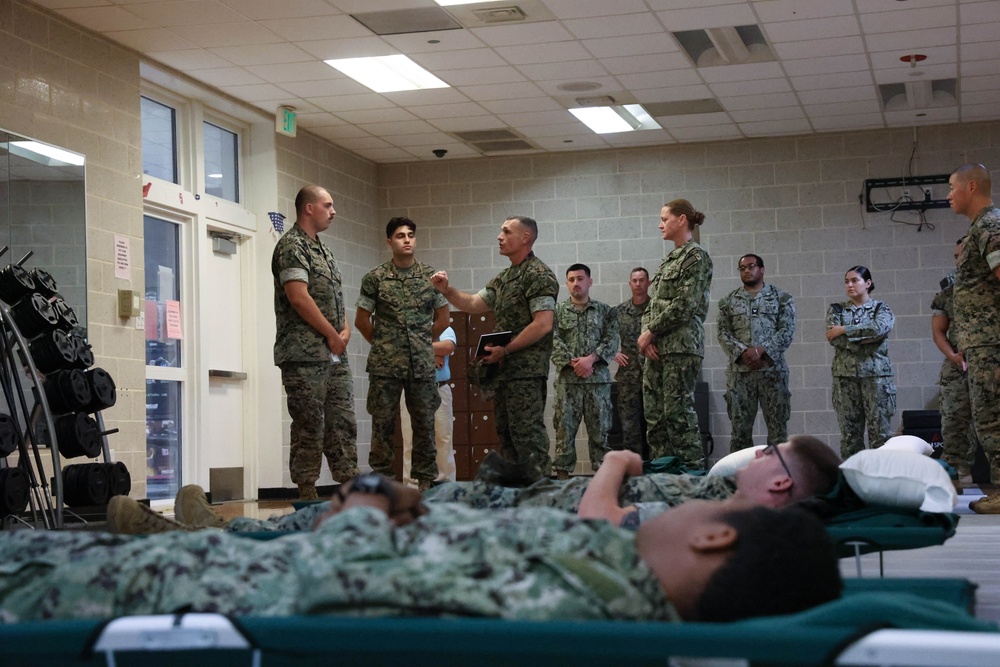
765,319
514,295
956,410
864,350
321,405
977,319
590,403
529,564
298,257
401,359
422,401
678,303
864,393
629,378
565,495
402,303
579,332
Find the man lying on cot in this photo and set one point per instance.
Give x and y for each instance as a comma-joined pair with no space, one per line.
702,561
801,468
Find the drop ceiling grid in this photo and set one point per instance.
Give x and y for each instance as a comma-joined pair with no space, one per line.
831,55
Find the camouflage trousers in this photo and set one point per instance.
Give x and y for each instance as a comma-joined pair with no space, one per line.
592,404
956,416
769,390
528,564
863,403
519,406
321,405
984,396
422,401
630,414
668,400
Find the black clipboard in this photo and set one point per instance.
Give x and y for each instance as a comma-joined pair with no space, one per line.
495,338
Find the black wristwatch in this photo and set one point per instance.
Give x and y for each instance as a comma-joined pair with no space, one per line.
375,484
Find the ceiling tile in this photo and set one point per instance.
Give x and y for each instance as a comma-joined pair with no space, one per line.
263,54
904,19
296,72
935,56
694,120
405,98
369,116
105,19
911,41
776,127
839,96
980,12
445,40
660,79
927,116
556,52
571,71
858,108
527,119
899,74
397,127
810,66
253,92
466,59
522,104
741,72
575,9
561,143
228,76
269,9
673,94
653,62
978,32
467,123
759,87
339,103
760,115
333,85
707,133
837,80
316,27
820,48
608,85
432,111
352,47
973,83
186,12
190,59
981,51
151,40
795,31
246,32
624,25
479,75
614,47
869,121
775,11
708,17
529,33
758,101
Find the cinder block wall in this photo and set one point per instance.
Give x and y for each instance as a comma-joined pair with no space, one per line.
793,201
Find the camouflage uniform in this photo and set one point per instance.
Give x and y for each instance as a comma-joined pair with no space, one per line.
402,303
527,564
650,493
629,378
579,333
676,313
320,393
864,393
519,402
956,411
977,318
765,319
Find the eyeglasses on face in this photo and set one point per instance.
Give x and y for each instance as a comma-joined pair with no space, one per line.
773,449
747,267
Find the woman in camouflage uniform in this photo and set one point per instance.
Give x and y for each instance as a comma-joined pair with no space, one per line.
673,337
864,393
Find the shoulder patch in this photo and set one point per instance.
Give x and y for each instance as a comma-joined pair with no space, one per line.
691,260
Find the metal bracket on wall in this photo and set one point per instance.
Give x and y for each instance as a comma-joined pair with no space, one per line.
921,202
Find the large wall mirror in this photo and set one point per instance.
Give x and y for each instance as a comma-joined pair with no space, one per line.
43,210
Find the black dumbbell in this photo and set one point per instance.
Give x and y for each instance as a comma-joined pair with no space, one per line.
67,317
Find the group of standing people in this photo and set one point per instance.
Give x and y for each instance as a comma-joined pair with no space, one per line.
656,337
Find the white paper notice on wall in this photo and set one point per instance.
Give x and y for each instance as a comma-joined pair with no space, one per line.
174,320
123,258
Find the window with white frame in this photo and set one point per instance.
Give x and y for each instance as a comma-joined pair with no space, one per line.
159,140
222,162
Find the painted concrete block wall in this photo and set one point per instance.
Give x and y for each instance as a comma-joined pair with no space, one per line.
793,201
65,86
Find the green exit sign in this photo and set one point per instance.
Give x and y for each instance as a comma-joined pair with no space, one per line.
284,121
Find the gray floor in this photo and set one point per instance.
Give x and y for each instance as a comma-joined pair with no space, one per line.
973,553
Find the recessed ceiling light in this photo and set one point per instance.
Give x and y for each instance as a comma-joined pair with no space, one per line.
215,175
618,118
387,74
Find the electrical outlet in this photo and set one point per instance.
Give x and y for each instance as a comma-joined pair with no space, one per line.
906,193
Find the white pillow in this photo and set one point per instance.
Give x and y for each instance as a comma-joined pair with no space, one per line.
900,479
908,443
730,463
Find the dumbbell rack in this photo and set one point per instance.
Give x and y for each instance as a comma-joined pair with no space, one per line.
28,407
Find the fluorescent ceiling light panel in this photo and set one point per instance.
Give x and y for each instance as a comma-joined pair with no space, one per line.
387,74
33,149
618,118
449,3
